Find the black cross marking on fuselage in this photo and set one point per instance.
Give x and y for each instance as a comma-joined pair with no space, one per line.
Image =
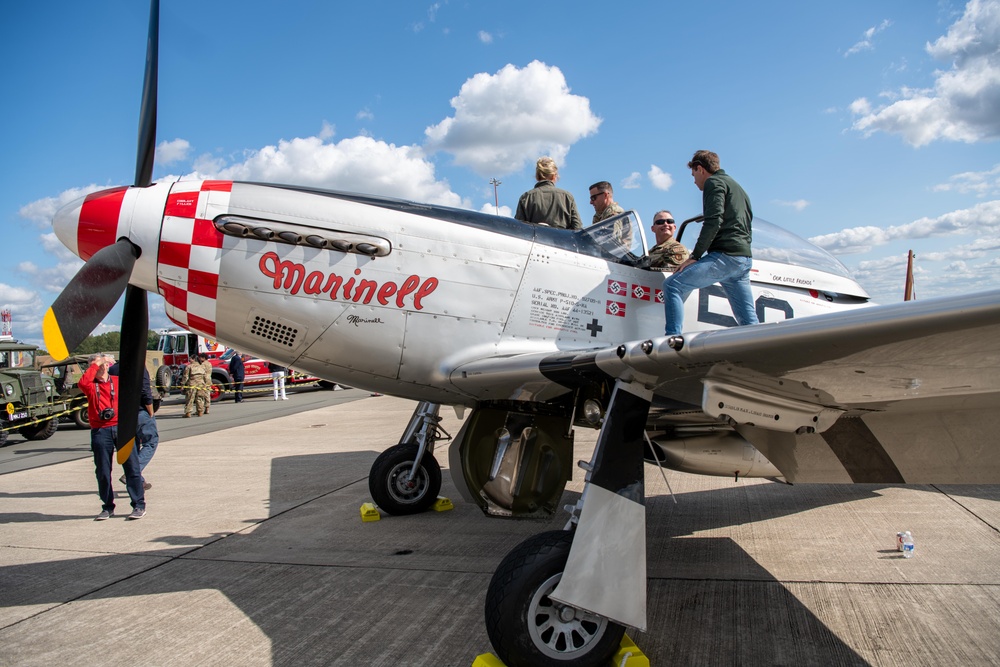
594,328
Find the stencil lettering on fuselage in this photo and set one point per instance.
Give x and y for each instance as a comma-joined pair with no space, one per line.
725,317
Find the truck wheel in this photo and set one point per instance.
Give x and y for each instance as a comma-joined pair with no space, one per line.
218,388
42,431
3,438
164,380
80,417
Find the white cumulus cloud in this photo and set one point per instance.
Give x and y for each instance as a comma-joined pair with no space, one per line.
983,218
632,181
41,211
660,179
964,103
168,152
356,164
491,208
798,204
979,183
506,120
866,43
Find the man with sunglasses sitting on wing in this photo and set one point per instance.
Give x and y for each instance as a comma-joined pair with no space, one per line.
668,253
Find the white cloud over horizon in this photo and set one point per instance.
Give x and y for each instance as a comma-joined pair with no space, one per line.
964,103
981,219
360,164
979,183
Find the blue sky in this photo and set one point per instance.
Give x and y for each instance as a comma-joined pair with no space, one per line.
870,127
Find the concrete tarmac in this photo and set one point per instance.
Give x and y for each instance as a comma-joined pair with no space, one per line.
253,553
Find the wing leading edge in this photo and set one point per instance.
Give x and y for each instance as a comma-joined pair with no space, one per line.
900,393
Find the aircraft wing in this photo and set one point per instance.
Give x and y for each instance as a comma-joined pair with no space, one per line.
899,393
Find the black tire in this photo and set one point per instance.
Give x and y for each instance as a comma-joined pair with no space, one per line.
388,488
80,416
40,431
218,388
3,438
164,380
527,628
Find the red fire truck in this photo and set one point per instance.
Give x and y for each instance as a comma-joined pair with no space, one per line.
178,346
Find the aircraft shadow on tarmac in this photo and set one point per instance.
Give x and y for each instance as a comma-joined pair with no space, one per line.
324,588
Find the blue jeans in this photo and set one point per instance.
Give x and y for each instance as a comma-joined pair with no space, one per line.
732,272
102,444
147,438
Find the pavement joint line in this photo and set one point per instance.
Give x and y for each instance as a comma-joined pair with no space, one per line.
965,507
339,566
824,582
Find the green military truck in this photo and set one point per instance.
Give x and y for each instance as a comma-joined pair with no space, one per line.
31,404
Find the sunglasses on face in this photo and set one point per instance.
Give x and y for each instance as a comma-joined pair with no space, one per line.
666,221
593,197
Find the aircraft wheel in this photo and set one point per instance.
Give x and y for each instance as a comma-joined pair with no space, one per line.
81,417
42,431
391,488
527,628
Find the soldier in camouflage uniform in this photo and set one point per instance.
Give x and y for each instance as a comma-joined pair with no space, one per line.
193,381
205,393
602,198
668,253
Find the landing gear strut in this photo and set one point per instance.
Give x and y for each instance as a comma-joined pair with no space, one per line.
406,478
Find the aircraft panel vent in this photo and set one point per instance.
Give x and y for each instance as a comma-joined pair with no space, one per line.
276,332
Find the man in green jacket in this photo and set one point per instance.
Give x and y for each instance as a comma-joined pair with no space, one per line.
722,253
545,203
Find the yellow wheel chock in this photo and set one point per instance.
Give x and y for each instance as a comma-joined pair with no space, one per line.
628,655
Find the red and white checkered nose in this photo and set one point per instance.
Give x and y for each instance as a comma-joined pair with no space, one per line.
90,223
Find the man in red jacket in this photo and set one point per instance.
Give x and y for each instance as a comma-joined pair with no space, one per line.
101,390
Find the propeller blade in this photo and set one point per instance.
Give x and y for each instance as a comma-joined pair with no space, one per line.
147,113
88,297
135,332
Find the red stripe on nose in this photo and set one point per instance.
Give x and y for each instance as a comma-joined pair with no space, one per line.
98,226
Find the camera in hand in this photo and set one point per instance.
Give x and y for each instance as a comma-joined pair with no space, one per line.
107,414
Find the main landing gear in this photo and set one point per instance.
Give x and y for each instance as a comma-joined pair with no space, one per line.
406,478
550,632
564,598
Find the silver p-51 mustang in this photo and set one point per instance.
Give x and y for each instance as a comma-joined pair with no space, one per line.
536,331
